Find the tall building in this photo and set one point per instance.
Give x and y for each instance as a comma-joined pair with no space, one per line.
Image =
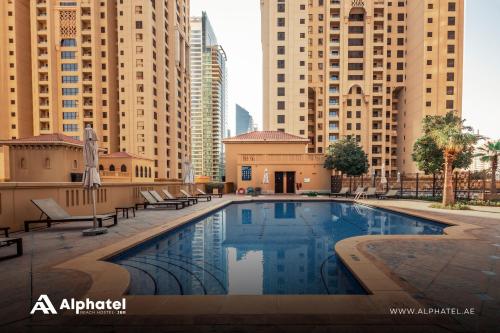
154,82
15,70
208,99
366,69
119,66
244,121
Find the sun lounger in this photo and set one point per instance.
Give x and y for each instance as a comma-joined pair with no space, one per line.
170,196
159,198
213,194
358,191
149,200
344,191
391,194
56,213
5,231
199,196
370,192
7,241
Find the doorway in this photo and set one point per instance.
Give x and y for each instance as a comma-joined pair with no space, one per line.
290,182
279,183
284,182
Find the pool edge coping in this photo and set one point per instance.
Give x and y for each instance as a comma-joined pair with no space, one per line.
112,281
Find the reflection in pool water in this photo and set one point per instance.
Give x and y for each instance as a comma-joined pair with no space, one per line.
261,248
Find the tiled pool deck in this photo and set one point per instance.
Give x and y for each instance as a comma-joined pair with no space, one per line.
460,270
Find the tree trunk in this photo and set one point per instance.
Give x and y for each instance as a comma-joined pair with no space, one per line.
448,195
494,167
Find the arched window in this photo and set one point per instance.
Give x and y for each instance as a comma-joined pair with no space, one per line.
101,167
47,163
111,167
142,172
68,42
23,163
149,172
136,171
123,168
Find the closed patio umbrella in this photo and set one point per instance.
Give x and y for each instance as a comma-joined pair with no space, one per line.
265,179
91,179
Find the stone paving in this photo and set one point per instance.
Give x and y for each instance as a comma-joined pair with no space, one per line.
449,273
460,274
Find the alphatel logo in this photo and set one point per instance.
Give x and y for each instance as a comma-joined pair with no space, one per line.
87,306
45,305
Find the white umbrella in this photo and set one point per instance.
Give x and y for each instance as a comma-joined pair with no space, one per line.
265,179
399,177
188,172
383,180
91,179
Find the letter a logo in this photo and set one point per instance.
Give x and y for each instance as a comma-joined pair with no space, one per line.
44,304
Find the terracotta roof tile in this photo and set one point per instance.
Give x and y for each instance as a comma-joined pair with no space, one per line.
44,138
271,136
124,154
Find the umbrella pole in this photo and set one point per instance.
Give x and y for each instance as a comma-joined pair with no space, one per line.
94,208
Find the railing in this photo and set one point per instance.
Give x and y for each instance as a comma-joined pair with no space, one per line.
466,185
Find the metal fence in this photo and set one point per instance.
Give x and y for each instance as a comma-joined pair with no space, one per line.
467,185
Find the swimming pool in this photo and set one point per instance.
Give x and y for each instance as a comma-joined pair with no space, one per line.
262,248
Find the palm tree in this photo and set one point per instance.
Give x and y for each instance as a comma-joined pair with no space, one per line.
452,137
489,153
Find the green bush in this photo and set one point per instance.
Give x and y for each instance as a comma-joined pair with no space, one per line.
455,206
210,187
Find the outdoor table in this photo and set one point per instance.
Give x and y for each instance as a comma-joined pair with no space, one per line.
125,210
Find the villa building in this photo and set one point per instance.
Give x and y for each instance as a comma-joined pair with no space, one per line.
120,66
208,100
367,69
283,156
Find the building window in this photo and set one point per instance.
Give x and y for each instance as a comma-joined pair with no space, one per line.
451,20
69,91
281,78
68,42
70,127
70,79
281,35
47,163
68,55
281,105
281,63
23,164
451,6
138,24
281,91
70,115
111,167
123,168
246,173
69,104
281,119
449,104
69,67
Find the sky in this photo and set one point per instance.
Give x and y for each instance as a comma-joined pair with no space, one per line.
237,26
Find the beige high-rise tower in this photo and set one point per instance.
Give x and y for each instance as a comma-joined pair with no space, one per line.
120,66
367,69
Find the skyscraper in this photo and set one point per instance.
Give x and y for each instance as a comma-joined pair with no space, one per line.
244,121
119,66
366,69
208,99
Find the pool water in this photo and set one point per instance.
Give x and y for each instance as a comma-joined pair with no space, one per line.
262,248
